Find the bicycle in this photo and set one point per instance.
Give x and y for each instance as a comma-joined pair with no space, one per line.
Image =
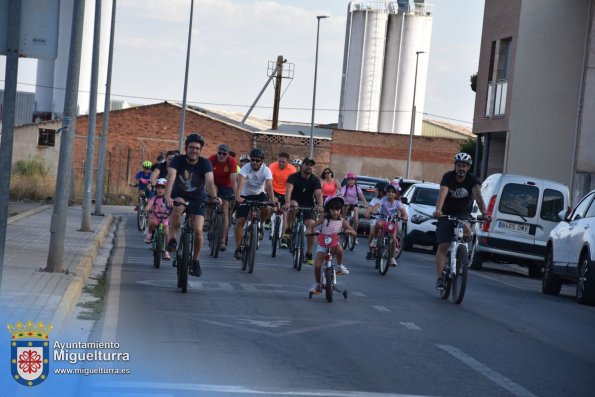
384,244
328,276
350,241
457,261
250,241
276,230
158,242
215,231
141,214
298,234
185,249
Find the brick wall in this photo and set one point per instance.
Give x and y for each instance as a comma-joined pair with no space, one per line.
297,147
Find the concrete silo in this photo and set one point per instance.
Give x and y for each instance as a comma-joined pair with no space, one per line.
375,98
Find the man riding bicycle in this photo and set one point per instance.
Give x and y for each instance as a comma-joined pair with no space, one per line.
281,170
458,188
225,175
189,179
255,179
301,190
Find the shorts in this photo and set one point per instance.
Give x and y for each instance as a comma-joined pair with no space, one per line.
445,228
195,207
309,214
155,219
242,209
225,192
280,197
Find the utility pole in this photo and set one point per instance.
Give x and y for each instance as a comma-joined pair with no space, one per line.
106,110
278,79
183,122
90,155
64,174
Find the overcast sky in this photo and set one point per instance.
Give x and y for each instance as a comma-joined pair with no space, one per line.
233,40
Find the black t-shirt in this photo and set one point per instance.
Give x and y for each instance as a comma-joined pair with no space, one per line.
190,178
303,189
162,167
460,195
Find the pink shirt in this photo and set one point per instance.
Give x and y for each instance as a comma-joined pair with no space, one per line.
331,226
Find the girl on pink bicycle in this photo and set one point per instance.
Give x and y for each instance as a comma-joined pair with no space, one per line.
158,210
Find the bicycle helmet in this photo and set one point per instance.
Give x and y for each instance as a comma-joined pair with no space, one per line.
194,137
350,175
394,184
381,185
244,158
296,162
257,153
331,200
161,182
147,164
463,158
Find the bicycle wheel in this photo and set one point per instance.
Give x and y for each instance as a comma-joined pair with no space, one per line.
245,247
140,210
328,283
276,230
216,231
385,261
157,249
344,240
399,247
445,292
459,282
378,254
253,245
184,263
300,247
352,239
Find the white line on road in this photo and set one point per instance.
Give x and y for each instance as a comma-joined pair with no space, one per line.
486,371
381,308
110,323
411,326
242,389
358,294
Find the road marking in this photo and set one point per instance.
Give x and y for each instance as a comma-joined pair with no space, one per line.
381,308
500,281
486,371
411,326
241,389
138,259
358,294
110,323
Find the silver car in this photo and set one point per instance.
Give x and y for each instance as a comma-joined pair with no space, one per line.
420,204
570,252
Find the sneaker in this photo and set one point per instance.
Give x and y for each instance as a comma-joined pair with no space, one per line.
373,243
195,269
172,245
440,283
206,226
309,260
342,270
267,225
148,238
356,242
369,256
316,288
237,254
393,262
260,233
222,247
166,256
283,243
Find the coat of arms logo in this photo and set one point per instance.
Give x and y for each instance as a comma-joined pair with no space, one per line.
29,352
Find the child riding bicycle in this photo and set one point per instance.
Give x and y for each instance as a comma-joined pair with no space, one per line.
330,224
158,210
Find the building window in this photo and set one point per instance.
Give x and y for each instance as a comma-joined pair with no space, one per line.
498,78
46,137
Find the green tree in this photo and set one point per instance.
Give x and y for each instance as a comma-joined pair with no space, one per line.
473,82
468,146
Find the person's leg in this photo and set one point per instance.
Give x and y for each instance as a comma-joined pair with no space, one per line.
309,237
198,223
225,209
175,219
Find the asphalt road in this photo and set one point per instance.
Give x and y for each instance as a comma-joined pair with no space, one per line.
236,333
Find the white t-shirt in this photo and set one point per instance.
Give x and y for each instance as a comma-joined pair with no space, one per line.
255,180
372,203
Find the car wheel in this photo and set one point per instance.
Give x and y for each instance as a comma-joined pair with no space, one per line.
534,269
585,285
551,283
475,258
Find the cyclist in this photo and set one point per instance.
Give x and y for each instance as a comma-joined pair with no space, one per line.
330,186
389,206
302,189
458,188
331,224
297,163
142,180
281,170
352,194
189,178
372,214
160,170
225,176
255,179
157,209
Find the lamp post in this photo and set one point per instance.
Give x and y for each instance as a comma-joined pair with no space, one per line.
183,121
311,149
413,111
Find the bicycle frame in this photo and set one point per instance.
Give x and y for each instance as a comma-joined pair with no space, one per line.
250,241
328,276
385,240
298,236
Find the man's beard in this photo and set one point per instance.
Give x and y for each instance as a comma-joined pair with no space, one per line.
307,172
461,174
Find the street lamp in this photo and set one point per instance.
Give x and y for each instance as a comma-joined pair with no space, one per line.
183,121
413,110
311,151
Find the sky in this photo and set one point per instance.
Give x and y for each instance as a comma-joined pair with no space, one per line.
233,41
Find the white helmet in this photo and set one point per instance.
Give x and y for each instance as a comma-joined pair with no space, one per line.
463,158
161,182
296,162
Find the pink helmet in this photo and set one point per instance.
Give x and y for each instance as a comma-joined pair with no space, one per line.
393,184
351,174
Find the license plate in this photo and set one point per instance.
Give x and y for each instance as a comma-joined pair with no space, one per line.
513,227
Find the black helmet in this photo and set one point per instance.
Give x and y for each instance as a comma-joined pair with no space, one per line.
381,185
194,137
331,200
257,153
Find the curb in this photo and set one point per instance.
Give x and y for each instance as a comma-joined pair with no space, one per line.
82,271
26,214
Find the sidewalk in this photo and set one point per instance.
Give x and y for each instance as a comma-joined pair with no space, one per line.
26,293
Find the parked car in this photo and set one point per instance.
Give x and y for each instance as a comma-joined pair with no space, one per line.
366,183
524,210
420,202
570,252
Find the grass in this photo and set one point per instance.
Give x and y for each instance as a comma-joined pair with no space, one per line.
94,307
31,180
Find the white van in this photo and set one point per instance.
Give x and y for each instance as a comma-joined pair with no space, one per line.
524,210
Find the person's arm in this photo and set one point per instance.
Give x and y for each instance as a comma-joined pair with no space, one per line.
288,190
171,177
241,181
268,186
310,229
149,206
440,201
318,197
234,182
360,194
211,188
348,229
480,203
154,175
403,213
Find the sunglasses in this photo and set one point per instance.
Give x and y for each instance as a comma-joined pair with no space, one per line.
256,160
221,153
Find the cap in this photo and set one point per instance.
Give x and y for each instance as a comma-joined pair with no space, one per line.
308,160
223,148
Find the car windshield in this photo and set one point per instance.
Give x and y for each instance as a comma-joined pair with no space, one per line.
425,196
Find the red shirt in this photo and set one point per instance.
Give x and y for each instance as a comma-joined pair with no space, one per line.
222,171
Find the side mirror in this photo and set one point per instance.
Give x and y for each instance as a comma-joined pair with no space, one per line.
404,200
563,215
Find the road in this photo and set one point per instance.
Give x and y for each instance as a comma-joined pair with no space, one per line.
236,333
